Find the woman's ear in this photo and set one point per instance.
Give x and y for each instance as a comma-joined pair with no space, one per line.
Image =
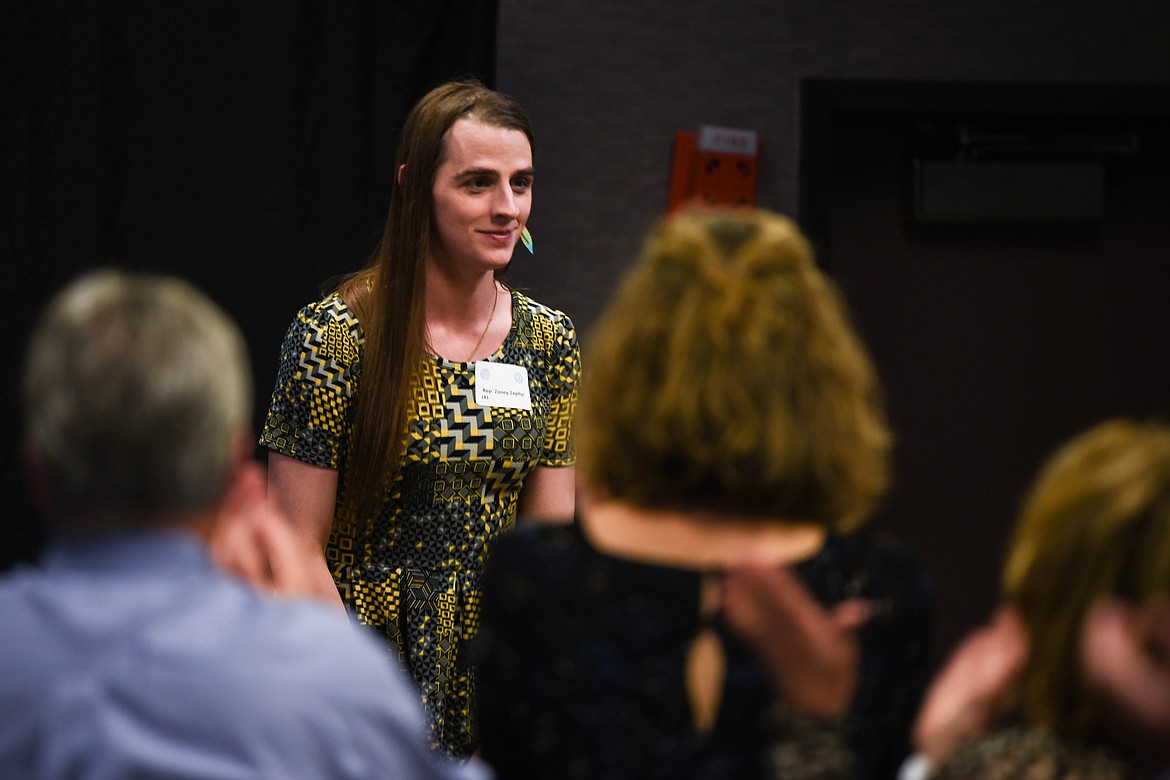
401,173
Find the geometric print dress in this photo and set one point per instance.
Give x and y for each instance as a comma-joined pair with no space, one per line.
413,572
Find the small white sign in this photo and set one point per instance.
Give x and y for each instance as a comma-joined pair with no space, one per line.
502,384
727,139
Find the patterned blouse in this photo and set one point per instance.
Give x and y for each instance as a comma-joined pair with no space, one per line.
582,656
413,572
1032,753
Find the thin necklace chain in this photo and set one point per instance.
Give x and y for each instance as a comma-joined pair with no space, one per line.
488,324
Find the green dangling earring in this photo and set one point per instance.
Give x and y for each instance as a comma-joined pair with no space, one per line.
526,239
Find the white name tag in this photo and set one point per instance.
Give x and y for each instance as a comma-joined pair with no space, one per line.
502,384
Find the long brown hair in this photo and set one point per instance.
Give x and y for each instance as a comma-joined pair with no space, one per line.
388,295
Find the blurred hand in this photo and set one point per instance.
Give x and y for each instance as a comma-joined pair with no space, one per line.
1125,657
255,541
975,689
811,653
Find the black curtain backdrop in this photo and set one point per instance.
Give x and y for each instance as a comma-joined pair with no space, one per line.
246,146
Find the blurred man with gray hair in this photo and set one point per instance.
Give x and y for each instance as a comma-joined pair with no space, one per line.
144,644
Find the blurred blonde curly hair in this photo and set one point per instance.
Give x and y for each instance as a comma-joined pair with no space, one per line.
724,375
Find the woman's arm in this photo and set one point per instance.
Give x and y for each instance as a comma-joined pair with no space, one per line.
811,654
307,495
548,494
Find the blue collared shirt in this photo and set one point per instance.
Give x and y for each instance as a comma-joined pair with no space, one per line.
133,656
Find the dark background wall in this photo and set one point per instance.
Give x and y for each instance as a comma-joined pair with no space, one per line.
994,346
247,145
609,84
998,340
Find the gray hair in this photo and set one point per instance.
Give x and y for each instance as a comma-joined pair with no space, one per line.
135,388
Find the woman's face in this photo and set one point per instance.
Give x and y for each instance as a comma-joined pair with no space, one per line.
482,196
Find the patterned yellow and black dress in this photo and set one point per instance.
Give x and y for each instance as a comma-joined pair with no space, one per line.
413,573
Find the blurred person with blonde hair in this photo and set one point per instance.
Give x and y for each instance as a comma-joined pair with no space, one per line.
1072,677
731,445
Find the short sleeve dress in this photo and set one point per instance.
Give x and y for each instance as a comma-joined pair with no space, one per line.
413,572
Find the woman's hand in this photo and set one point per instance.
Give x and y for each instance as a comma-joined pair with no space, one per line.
1125,658
255,541
975,689
811,653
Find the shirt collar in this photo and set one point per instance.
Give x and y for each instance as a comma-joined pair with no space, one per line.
139,549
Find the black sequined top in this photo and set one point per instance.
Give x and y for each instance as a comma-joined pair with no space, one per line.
581,660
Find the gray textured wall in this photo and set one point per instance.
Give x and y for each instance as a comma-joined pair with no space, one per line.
608,83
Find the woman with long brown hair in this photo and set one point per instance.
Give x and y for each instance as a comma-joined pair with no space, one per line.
422,405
